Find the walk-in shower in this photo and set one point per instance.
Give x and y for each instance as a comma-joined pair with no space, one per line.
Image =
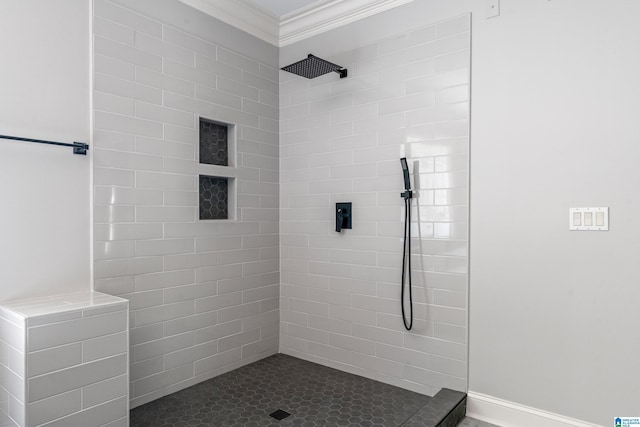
283,281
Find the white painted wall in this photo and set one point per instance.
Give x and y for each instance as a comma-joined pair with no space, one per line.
555,100
44,190
554,314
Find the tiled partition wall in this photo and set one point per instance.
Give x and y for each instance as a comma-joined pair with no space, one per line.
203,294
341,141
64,361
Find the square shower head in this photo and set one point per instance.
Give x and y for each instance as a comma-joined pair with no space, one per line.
313,67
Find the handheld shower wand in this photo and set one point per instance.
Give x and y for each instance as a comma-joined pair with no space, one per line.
407,182
406,250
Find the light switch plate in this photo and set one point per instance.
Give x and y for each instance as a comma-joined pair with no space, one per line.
589,219
492,8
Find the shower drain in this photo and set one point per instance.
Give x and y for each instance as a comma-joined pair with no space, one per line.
279,414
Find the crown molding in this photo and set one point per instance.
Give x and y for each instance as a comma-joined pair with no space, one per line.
242,16
317,18
298,26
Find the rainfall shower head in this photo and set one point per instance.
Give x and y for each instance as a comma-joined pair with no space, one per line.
313,67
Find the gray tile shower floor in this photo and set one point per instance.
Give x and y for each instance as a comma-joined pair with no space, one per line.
314,395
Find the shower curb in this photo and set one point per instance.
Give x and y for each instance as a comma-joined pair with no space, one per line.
446,409
456,415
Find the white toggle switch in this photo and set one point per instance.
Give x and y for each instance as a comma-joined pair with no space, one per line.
589,219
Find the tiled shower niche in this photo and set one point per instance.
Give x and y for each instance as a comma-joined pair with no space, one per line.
214,143
214,197
217,172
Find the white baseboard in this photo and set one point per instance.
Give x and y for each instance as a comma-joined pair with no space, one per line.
508,414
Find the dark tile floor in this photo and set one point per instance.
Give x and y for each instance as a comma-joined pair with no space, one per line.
314,395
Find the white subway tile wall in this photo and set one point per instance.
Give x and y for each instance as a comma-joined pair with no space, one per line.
68,367
203,295
341,141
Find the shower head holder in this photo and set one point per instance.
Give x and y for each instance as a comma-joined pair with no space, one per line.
312,67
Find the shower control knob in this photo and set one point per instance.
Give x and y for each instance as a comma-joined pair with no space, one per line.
343,216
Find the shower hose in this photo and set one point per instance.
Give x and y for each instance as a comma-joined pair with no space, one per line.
406,265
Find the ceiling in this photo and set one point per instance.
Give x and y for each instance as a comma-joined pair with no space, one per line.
280,8
282,22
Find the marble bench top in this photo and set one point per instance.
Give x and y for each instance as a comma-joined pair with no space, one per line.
40,306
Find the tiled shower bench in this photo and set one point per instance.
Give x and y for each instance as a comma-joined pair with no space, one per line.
64,361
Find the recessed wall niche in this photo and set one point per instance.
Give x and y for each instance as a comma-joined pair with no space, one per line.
214,197
216,141
217,172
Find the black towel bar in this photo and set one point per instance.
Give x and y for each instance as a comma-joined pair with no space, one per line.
78,147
